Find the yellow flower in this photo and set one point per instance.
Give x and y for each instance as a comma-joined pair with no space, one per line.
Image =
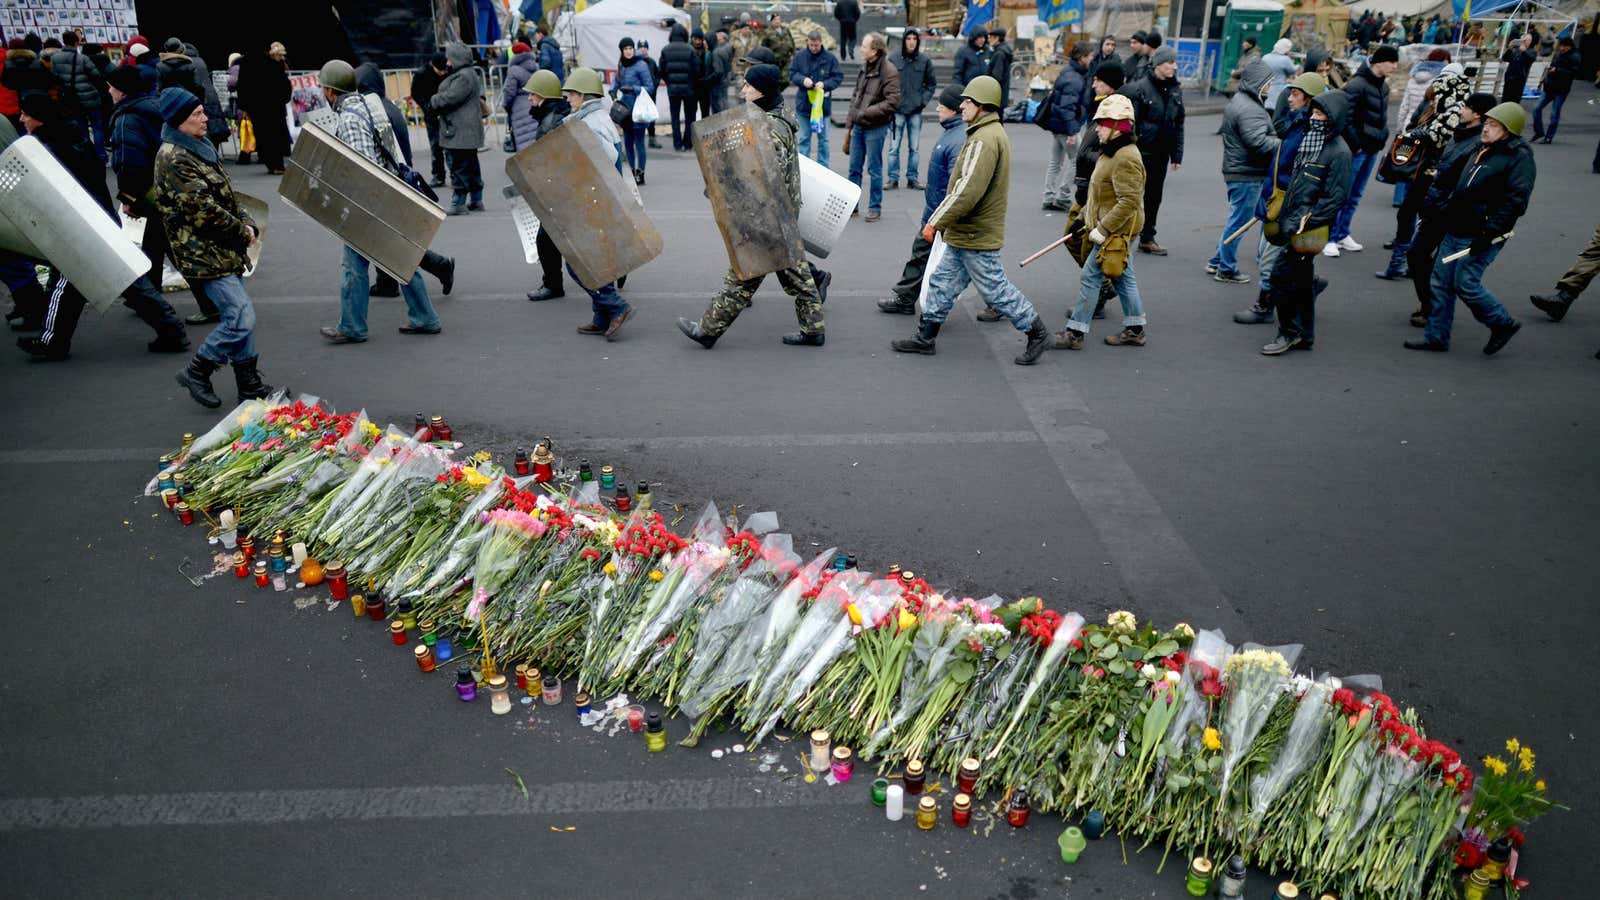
908,619
1212,739
657,575
474,479
1512,746
609,568
1495,764
369,429
854,613
482,456
1525,759
1539,785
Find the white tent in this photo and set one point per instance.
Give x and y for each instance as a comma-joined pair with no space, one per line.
603,24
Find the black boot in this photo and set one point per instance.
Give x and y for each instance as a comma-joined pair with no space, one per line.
197,379
1038,340
248,379
384,286
546,293
897,305
441,267
805,339
922,343
694,332
30,304
244,159
1554,305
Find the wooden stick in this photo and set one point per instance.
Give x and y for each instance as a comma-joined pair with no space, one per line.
1461,254
1046,249
1240,233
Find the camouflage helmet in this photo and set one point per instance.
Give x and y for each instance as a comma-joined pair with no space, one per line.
544,83
338,76
584,80
1115,107
984,91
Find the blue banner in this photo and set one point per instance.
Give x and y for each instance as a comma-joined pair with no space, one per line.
1056,13
979,14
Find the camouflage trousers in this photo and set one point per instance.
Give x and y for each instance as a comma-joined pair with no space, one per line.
734,298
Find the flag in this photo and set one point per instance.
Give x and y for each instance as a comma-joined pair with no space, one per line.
1058,13
979,14
1466,12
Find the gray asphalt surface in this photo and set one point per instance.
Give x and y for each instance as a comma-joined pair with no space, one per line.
1426,517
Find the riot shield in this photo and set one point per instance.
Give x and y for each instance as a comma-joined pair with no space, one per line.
361,202
595,218
45,214
257,210
749,199
826,199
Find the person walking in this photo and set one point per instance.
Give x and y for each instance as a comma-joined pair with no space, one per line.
1112,218
763,87
1571,284
364,127
1249,146
1367,134
461,108
1137,65
848,13
704,75
972,220
1555,86
1519,59
1432,131
584,93
872,111
643,50
1158,122
424,84
514,98
86,81
633,81
1282,67
941,162
1107,80
1489,192
917,87
1000,58
678,70
210,234
721,70
816,74
1063,114
549,109
1321,168
264,93
1431,223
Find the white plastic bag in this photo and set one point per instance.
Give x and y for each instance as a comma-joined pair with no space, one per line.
935,256
644,110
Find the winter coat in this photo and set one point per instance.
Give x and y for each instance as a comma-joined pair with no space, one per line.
550,57
783,130
1317,190
25,74
1422,75
369,78
877,95
1282,69
973,214
705,78
1248,140
971,61
1518,63
424,83
595,114
1466,141
848,12
1137,66
1367,129
549,115
722,66
263,86
1116,200
917,82
205,224
1158,117
634,79
1000,57
677,64
1564,69
10,103
940,164
69,144
1489,188
177,70
1064,110
821,67
780,40
80,75
459,102
134,138
514,100
1101,59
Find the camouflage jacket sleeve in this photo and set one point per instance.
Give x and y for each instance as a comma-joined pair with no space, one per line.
783,138
186,194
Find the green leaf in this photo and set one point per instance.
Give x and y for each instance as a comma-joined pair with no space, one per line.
1117,666
1003,651
1179,782
1109,720
1164,648
1133,654
1097,640
1109,651
962,671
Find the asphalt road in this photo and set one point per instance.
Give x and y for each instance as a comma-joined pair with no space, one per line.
1427,517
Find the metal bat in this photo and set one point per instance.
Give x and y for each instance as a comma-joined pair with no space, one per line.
1461,254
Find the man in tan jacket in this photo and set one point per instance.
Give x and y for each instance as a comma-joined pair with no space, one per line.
1113,214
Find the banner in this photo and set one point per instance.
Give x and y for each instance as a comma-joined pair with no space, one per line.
979,14
1057,13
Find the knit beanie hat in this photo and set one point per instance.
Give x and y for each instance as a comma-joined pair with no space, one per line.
1384,53
766,78
127,79
177,105
1111,72
950,97
1164,55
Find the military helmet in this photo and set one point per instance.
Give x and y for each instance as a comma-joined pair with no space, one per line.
337,75
1309,83
1511,115
984,91
544,83
584,80
1115,107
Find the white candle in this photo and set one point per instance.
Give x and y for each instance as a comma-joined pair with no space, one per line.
892,802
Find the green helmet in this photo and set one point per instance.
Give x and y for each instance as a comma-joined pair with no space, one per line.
1310,83
544,83
338,75
984,91
584,80
1511,115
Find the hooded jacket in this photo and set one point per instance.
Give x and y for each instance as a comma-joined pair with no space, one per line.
424,83
550,57
1367,128
822,67
457,102
1157,116
917,82
973,213
1465,142
1064,110
634,79
1564,69
677,63
971,61
514,100
1282,69
1490,186
177,70
26,75
217,126
1318,189
549,115
877,95
1101,57
80,75
369,80
134,138
1248,141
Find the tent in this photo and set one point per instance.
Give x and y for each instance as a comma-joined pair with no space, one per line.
603,24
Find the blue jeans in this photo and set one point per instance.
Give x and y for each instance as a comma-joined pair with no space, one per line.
1089,294
95,119
1462,280
866,146
633,140
357,292
806,135
1242,197
984,269
604,300
906,129
1361,167
1555,102
1266,257
234,338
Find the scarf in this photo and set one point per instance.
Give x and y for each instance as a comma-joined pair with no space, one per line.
1316,135
198,147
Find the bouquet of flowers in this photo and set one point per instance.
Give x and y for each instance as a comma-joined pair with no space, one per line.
1254,680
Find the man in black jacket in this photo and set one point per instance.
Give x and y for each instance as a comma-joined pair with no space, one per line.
263,92
678,71
1063,114
550,109
1367,133
1000,57
1519,59
1158,117
917,87
971,60
848,12
1557,84
1491,189
1248,146
721,67
704,76
80,75
424,82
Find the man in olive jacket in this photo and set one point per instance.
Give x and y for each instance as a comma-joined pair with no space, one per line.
972,219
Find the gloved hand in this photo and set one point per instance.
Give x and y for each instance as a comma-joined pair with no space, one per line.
928,233
1096,235
1482,244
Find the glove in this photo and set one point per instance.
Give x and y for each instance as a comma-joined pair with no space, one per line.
1481,245
928,233
1096,235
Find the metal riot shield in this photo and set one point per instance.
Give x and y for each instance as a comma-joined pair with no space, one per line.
826,199
361,202
46,214
258,211
749,199
595,218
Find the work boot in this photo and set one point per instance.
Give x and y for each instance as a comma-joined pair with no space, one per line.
248,379
1498,337
197,379
244,159
694,332
1152,248
546,293
1067,339
39,351
1554,305
1255,315
476,206
921,343
384,286
913,185
990,314
805,339
1131,336
638,177
1038,342
1393,274
616,323
1424,344
441,267
201,318
897,305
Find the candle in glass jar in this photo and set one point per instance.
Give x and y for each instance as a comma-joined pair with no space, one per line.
535,680
1288,890
608,478
185,514
655,735
521,461
408,615
377,608
397,633
550,688
880,791
247,544
442,648
543,463
893,802
967,777
821,749
1232,886
466,685
624,501
1198,881
961,811
241,568
642,495
635,719
521,672
338,580
499,696
927,813
581,701
916,775
1017,810
262,578
169,497
424,657
430,632
844,764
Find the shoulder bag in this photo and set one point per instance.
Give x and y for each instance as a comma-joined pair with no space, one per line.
407,174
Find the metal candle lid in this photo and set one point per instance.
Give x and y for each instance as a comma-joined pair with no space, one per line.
820,736
497,683
914,768
969,766
927,803
963,802
841,754
421,651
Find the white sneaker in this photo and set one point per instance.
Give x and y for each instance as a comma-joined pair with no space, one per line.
1330,249
1349,243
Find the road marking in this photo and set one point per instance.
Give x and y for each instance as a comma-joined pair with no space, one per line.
324,299
223,808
